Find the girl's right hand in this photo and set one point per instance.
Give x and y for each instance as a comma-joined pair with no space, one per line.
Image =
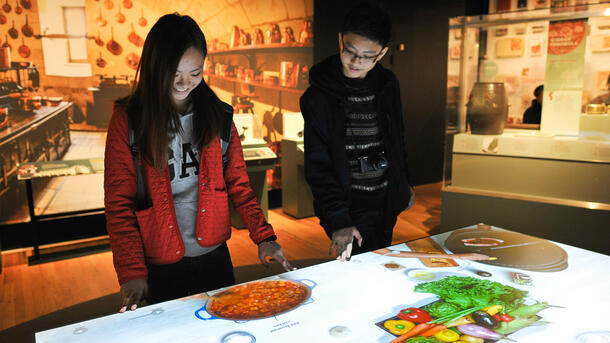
132,293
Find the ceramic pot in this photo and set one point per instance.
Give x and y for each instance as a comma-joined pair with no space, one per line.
487,108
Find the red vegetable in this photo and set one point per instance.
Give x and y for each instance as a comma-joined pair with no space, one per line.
414,314
503,318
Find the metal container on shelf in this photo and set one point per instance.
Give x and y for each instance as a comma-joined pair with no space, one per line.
487,108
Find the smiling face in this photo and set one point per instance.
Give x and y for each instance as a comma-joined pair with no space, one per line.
188,77
359,54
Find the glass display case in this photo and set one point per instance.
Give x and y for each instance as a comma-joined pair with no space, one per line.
551,177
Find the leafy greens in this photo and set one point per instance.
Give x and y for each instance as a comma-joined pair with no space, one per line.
466,292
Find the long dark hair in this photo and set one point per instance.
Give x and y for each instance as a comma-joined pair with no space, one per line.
150,105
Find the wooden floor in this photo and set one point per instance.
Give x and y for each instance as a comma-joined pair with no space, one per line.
27,292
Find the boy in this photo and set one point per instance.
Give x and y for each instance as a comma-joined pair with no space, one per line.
355,157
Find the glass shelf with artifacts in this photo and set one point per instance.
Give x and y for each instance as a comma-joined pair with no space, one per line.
534,159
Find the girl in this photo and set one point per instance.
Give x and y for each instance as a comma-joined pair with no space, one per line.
175,244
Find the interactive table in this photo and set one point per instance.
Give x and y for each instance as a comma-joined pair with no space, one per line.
351,301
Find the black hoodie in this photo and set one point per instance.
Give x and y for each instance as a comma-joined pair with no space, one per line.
324,107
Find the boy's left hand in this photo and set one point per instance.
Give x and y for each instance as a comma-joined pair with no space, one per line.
274,251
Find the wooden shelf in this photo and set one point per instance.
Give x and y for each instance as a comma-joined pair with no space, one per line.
257,84
273,47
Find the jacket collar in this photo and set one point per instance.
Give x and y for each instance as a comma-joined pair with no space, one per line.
328,77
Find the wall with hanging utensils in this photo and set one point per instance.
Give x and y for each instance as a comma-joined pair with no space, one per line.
263,47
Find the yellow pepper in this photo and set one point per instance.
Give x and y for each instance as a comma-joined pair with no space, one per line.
492,309
447,336
471,339
398,327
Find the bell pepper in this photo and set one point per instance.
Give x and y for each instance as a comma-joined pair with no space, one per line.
492,310
414,314
398,327
503,318
447,335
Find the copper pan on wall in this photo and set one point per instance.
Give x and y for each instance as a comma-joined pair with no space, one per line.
113,46
18,9
135,38
27,4
24,50
6,7
26,29
100,61
13,32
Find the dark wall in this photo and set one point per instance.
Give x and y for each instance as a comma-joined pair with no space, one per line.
422,26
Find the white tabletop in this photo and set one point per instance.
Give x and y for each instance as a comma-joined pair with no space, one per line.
359,293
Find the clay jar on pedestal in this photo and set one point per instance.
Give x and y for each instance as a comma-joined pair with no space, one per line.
487,108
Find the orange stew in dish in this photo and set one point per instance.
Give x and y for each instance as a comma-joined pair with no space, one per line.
258,299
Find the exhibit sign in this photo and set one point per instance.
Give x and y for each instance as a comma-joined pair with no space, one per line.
564,76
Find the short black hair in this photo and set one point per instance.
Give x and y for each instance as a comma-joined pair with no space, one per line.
370,21
538,90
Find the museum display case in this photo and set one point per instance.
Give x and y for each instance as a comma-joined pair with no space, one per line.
550,178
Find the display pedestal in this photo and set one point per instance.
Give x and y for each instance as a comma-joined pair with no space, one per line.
259,158
554,187
297,199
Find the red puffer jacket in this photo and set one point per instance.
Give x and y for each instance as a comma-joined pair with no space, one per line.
152,234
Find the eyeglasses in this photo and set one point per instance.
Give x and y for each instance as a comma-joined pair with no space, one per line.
354,56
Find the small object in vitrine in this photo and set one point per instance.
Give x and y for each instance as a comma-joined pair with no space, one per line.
288,35
596,108
300,134
259,37
503,31
306,36
520,30
245,38
538,28
521,278
242,137
273,34
234,37
483,273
